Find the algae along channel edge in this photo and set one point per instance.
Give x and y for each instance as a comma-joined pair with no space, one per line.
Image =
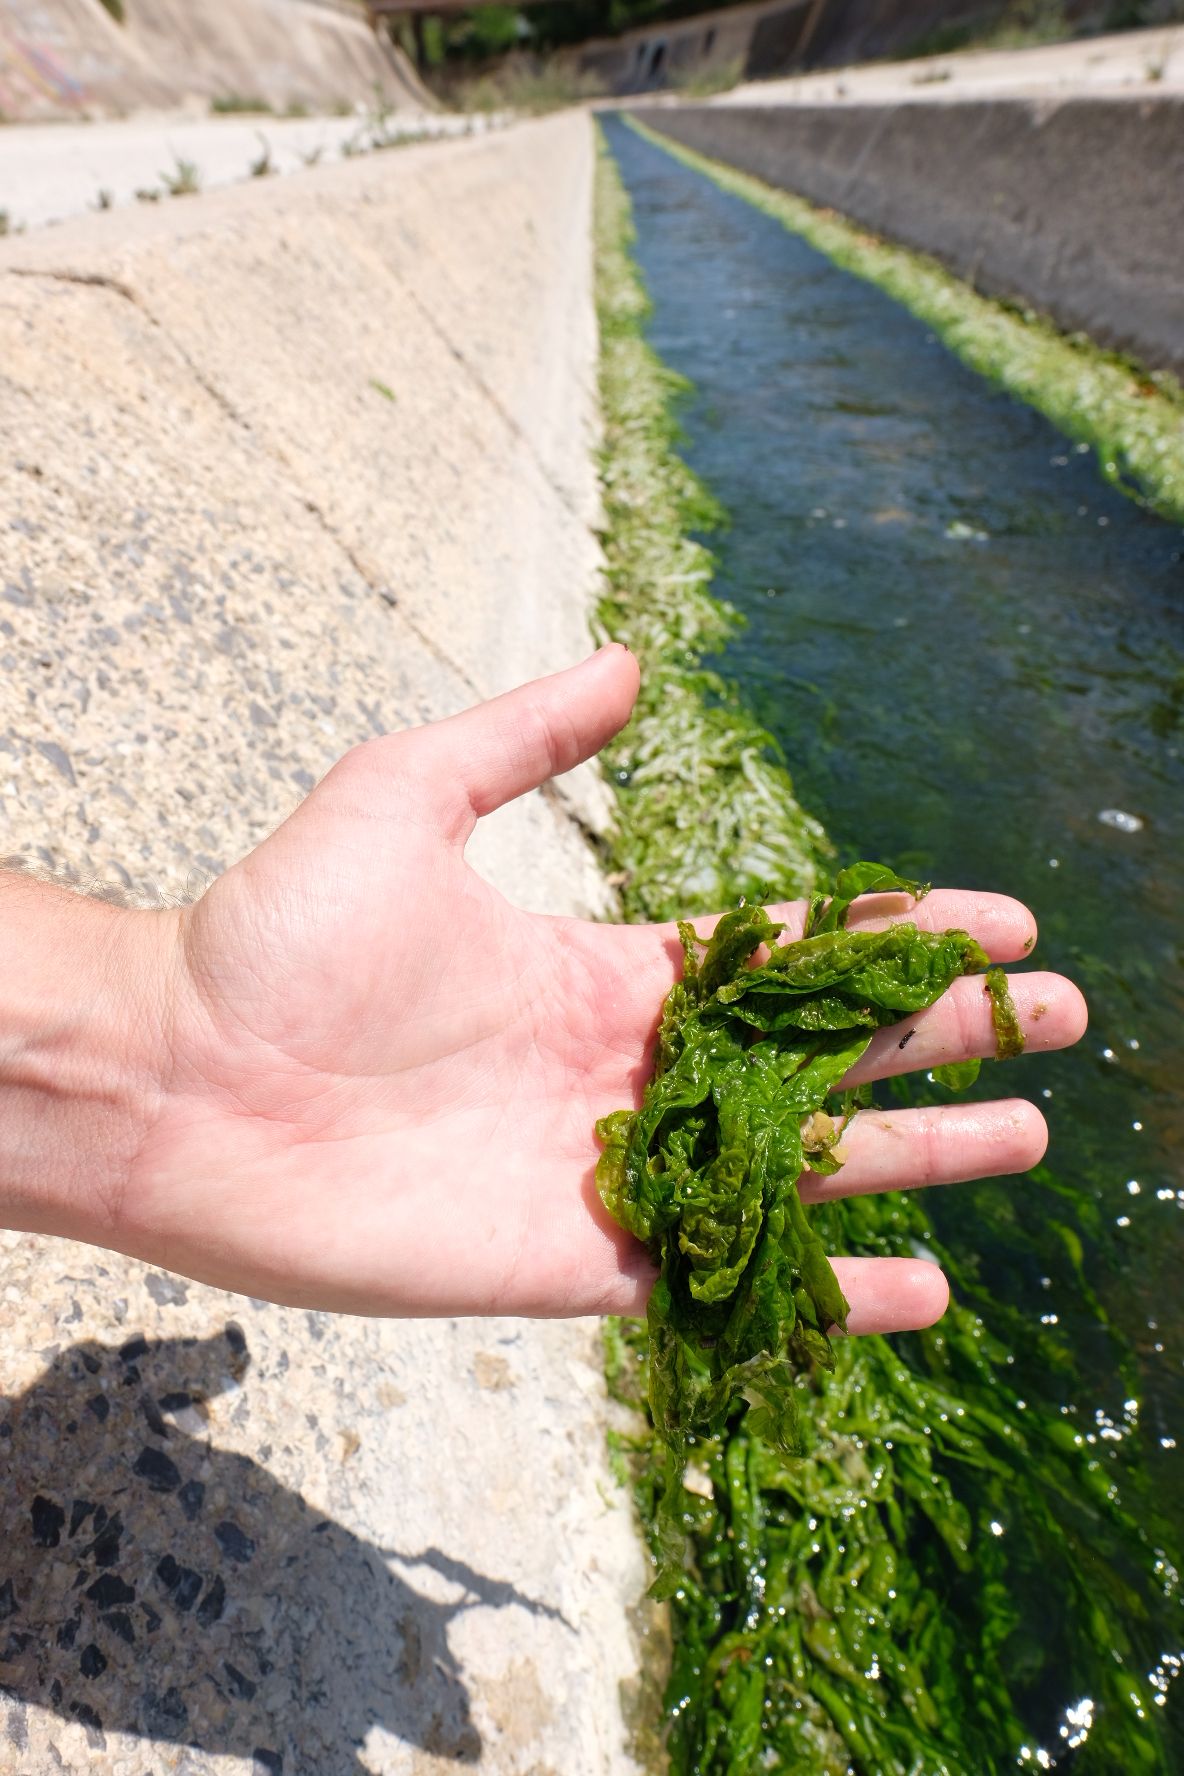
962,639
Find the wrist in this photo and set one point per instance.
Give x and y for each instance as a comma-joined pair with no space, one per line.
84,1041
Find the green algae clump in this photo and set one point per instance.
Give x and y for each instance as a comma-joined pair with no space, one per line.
746,1095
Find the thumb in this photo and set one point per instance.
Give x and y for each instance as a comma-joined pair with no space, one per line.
472,763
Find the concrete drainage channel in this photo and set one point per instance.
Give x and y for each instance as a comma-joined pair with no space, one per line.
1067,204
281,468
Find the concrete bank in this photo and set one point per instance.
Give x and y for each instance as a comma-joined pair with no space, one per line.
1144,63
282,467
52,171
66,58
1070,207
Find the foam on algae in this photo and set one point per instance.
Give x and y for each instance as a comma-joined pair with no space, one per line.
868,1607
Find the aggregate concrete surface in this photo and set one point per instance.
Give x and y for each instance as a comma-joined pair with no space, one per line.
281,467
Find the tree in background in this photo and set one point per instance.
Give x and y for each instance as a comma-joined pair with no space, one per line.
485,33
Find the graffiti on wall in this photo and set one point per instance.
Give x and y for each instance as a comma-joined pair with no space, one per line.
31,74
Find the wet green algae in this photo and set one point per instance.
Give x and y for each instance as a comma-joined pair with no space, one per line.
747,1095
1131,418
707,807
857,1609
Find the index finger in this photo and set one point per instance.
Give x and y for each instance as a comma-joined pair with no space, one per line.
634,966
1004,927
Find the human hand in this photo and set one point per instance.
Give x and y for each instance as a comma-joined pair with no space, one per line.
377,1079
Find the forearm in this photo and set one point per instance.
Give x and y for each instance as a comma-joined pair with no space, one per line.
82,1046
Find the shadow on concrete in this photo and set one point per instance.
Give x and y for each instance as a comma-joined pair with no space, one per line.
151,1583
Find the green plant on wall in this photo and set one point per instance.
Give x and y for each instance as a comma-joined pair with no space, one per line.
183,180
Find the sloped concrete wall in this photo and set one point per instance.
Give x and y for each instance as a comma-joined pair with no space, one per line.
1073,207
665,53
63,58
280,467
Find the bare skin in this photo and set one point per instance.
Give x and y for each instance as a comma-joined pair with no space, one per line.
354,1077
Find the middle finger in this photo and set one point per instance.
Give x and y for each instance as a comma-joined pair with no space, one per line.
958,1027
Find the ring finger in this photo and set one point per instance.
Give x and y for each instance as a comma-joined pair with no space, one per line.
911,1149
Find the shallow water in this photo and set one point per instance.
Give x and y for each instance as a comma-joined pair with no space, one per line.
970,648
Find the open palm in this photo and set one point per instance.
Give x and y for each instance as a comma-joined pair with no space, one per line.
384,1077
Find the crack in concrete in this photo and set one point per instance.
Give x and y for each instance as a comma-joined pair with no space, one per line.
595,841
97,281
552,796
494,400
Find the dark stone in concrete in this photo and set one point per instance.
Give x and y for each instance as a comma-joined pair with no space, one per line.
165,1716
110,1590
104,1550
81,1509
182,1582
209,1610
238,1683
234,1543
48,1522
120,1623
92,1662
90,1719
156,1467
190,1498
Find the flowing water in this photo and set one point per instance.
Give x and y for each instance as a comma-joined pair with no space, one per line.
969,646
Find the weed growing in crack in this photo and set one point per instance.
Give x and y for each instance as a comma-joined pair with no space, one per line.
263,165
184,180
